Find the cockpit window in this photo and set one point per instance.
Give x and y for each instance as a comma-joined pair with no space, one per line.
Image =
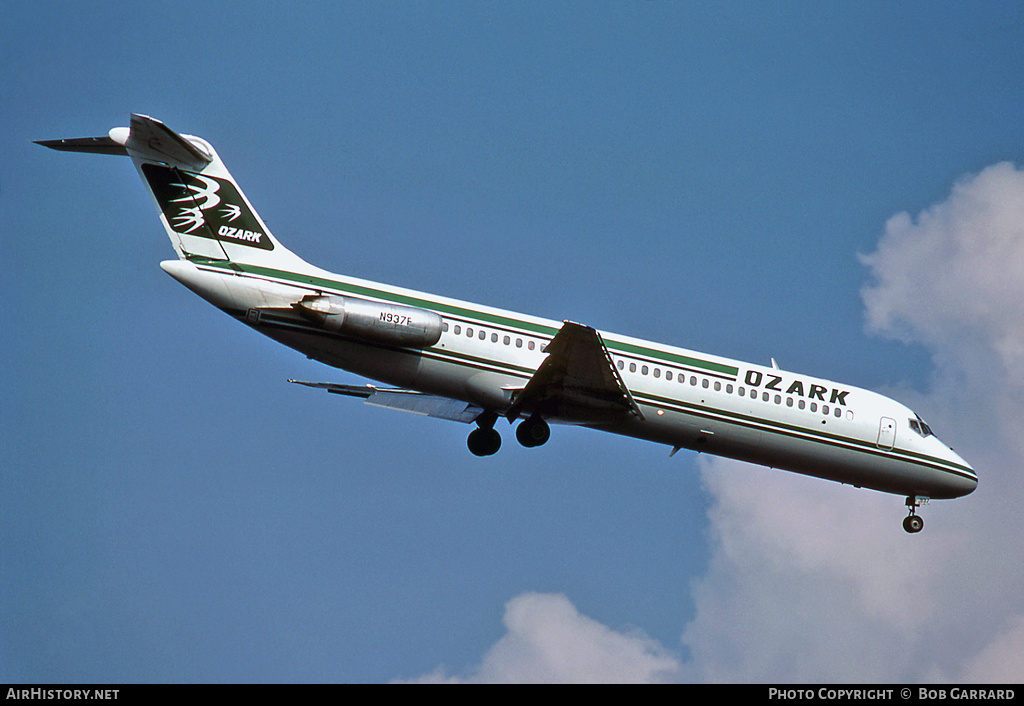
918,425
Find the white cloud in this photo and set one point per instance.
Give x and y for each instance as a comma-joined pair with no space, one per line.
953,278
548,641
1000,661
811,581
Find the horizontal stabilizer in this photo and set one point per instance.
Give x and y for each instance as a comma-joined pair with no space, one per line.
421,403
92,145
151,139
148,138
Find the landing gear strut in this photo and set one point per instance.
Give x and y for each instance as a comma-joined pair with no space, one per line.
533,432
914,523
485,439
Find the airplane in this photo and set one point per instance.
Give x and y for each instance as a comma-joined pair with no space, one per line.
455,360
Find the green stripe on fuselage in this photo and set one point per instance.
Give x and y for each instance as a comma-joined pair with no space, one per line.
453,310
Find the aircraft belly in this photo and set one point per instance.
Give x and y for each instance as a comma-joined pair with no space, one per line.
829,458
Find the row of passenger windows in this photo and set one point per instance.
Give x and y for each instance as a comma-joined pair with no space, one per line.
482,334
729,388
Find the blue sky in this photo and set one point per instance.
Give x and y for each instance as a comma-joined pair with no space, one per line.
718,176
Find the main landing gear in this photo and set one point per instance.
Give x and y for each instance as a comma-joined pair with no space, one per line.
533,432
485,439
914,523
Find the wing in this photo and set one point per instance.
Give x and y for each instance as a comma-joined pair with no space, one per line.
577,382
405,400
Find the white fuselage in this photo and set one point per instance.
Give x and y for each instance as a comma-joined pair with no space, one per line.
687,399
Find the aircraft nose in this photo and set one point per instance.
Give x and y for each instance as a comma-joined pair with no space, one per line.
967,485
965,480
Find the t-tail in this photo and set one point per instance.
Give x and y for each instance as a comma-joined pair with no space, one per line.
205,214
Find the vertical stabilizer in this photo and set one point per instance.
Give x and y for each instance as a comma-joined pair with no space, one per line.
205,214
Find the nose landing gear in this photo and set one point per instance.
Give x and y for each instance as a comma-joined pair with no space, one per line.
914,523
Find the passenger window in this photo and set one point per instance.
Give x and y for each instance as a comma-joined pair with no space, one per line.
458,329
533,345
632,367
444,326
668,374
519,343
643,370
469,332
657,372
506,340
704,383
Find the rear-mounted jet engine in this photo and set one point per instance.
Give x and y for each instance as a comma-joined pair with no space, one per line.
379,322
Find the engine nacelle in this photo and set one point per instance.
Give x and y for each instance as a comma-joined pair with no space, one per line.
379,322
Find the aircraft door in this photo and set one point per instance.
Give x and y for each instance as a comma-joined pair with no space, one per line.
887,433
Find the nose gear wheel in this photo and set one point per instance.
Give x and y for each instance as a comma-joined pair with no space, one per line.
914,523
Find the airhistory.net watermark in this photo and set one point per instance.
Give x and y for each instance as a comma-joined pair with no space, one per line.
42,694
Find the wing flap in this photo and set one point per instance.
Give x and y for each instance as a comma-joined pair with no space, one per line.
421,403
